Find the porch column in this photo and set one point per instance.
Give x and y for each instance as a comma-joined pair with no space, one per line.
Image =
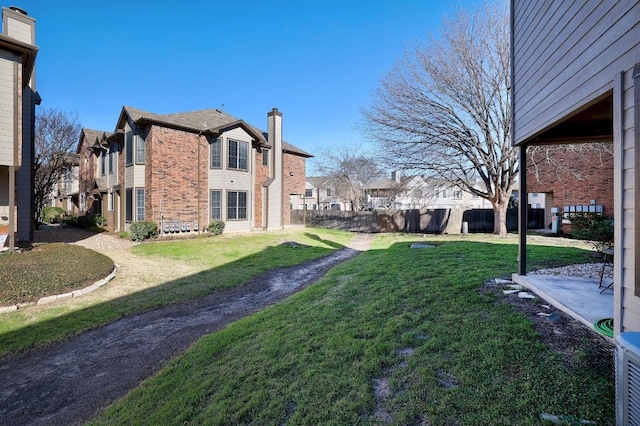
522,210
12,208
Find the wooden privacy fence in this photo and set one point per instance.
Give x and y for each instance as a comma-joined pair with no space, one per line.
430,221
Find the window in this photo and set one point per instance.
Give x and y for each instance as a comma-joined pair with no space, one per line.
308,192
68,180
236,205
128,201
238,152
328,192
216,204
140,204
110,201
216,154
112,159
265,157
140,146
457,194
103,162
128,147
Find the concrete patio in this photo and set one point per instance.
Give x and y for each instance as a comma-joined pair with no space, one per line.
578,297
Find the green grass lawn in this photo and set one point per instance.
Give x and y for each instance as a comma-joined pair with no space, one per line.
410,319
216,263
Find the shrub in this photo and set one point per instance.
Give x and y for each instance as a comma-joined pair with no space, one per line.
100,220
52,214
86,221
143,230
125,235
70,220
215,227
594,228
91,221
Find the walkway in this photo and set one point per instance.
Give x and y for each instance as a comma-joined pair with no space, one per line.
72,381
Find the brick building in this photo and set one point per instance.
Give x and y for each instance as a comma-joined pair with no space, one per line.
184,170
572,178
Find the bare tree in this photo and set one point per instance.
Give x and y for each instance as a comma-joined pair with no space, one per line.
547,162
56,135
444,109
349,171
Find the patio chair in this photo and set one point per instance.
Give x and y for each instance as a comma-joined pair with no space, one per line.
607,259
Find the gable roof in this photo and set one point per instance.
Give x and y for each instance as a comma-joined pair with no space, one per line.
93,136
318,181
208,121
287,147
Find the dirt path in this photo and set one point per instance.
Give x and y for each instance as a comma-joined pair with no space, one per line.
71,382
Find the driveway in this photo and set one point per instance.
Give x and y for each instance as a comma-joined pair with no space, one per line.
72,381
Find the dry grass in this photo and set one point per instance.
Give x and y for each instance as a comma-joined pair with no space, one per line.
49,269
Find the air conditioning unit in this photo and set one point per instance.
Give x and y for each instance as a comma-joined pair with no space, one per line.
627,361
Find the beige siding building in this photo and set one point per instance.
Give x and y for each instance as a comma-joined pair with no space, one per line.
576,78
17,110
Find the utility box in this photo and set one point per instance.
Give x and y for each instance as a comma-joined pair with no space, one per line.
555,224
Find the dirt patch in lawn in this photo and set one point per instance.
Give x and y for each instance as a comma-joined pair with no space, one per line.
71,382
579,345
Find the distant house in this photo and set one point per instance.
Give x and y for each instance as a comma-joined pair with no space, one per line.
184,170
320,194
416,192
66,193
18,98
576,79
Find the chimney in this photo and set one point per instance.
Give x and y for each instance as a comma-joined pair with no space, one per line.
17,24
276,188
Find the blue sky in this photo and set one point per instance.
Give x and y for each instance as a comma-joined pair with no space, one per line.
318,62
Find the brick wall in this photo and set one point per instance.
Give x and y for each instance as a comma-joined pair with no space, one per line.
261,175
294,180
173,180
575,174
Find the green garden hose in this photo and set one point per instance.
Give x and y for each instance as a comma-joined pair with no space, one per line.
604,326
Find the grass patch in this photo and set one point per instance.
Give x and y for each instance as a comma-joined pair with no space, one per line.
412,318
215,263
49,269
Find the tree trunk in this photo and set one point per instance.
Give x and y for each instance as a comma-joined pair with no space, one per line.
500,217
